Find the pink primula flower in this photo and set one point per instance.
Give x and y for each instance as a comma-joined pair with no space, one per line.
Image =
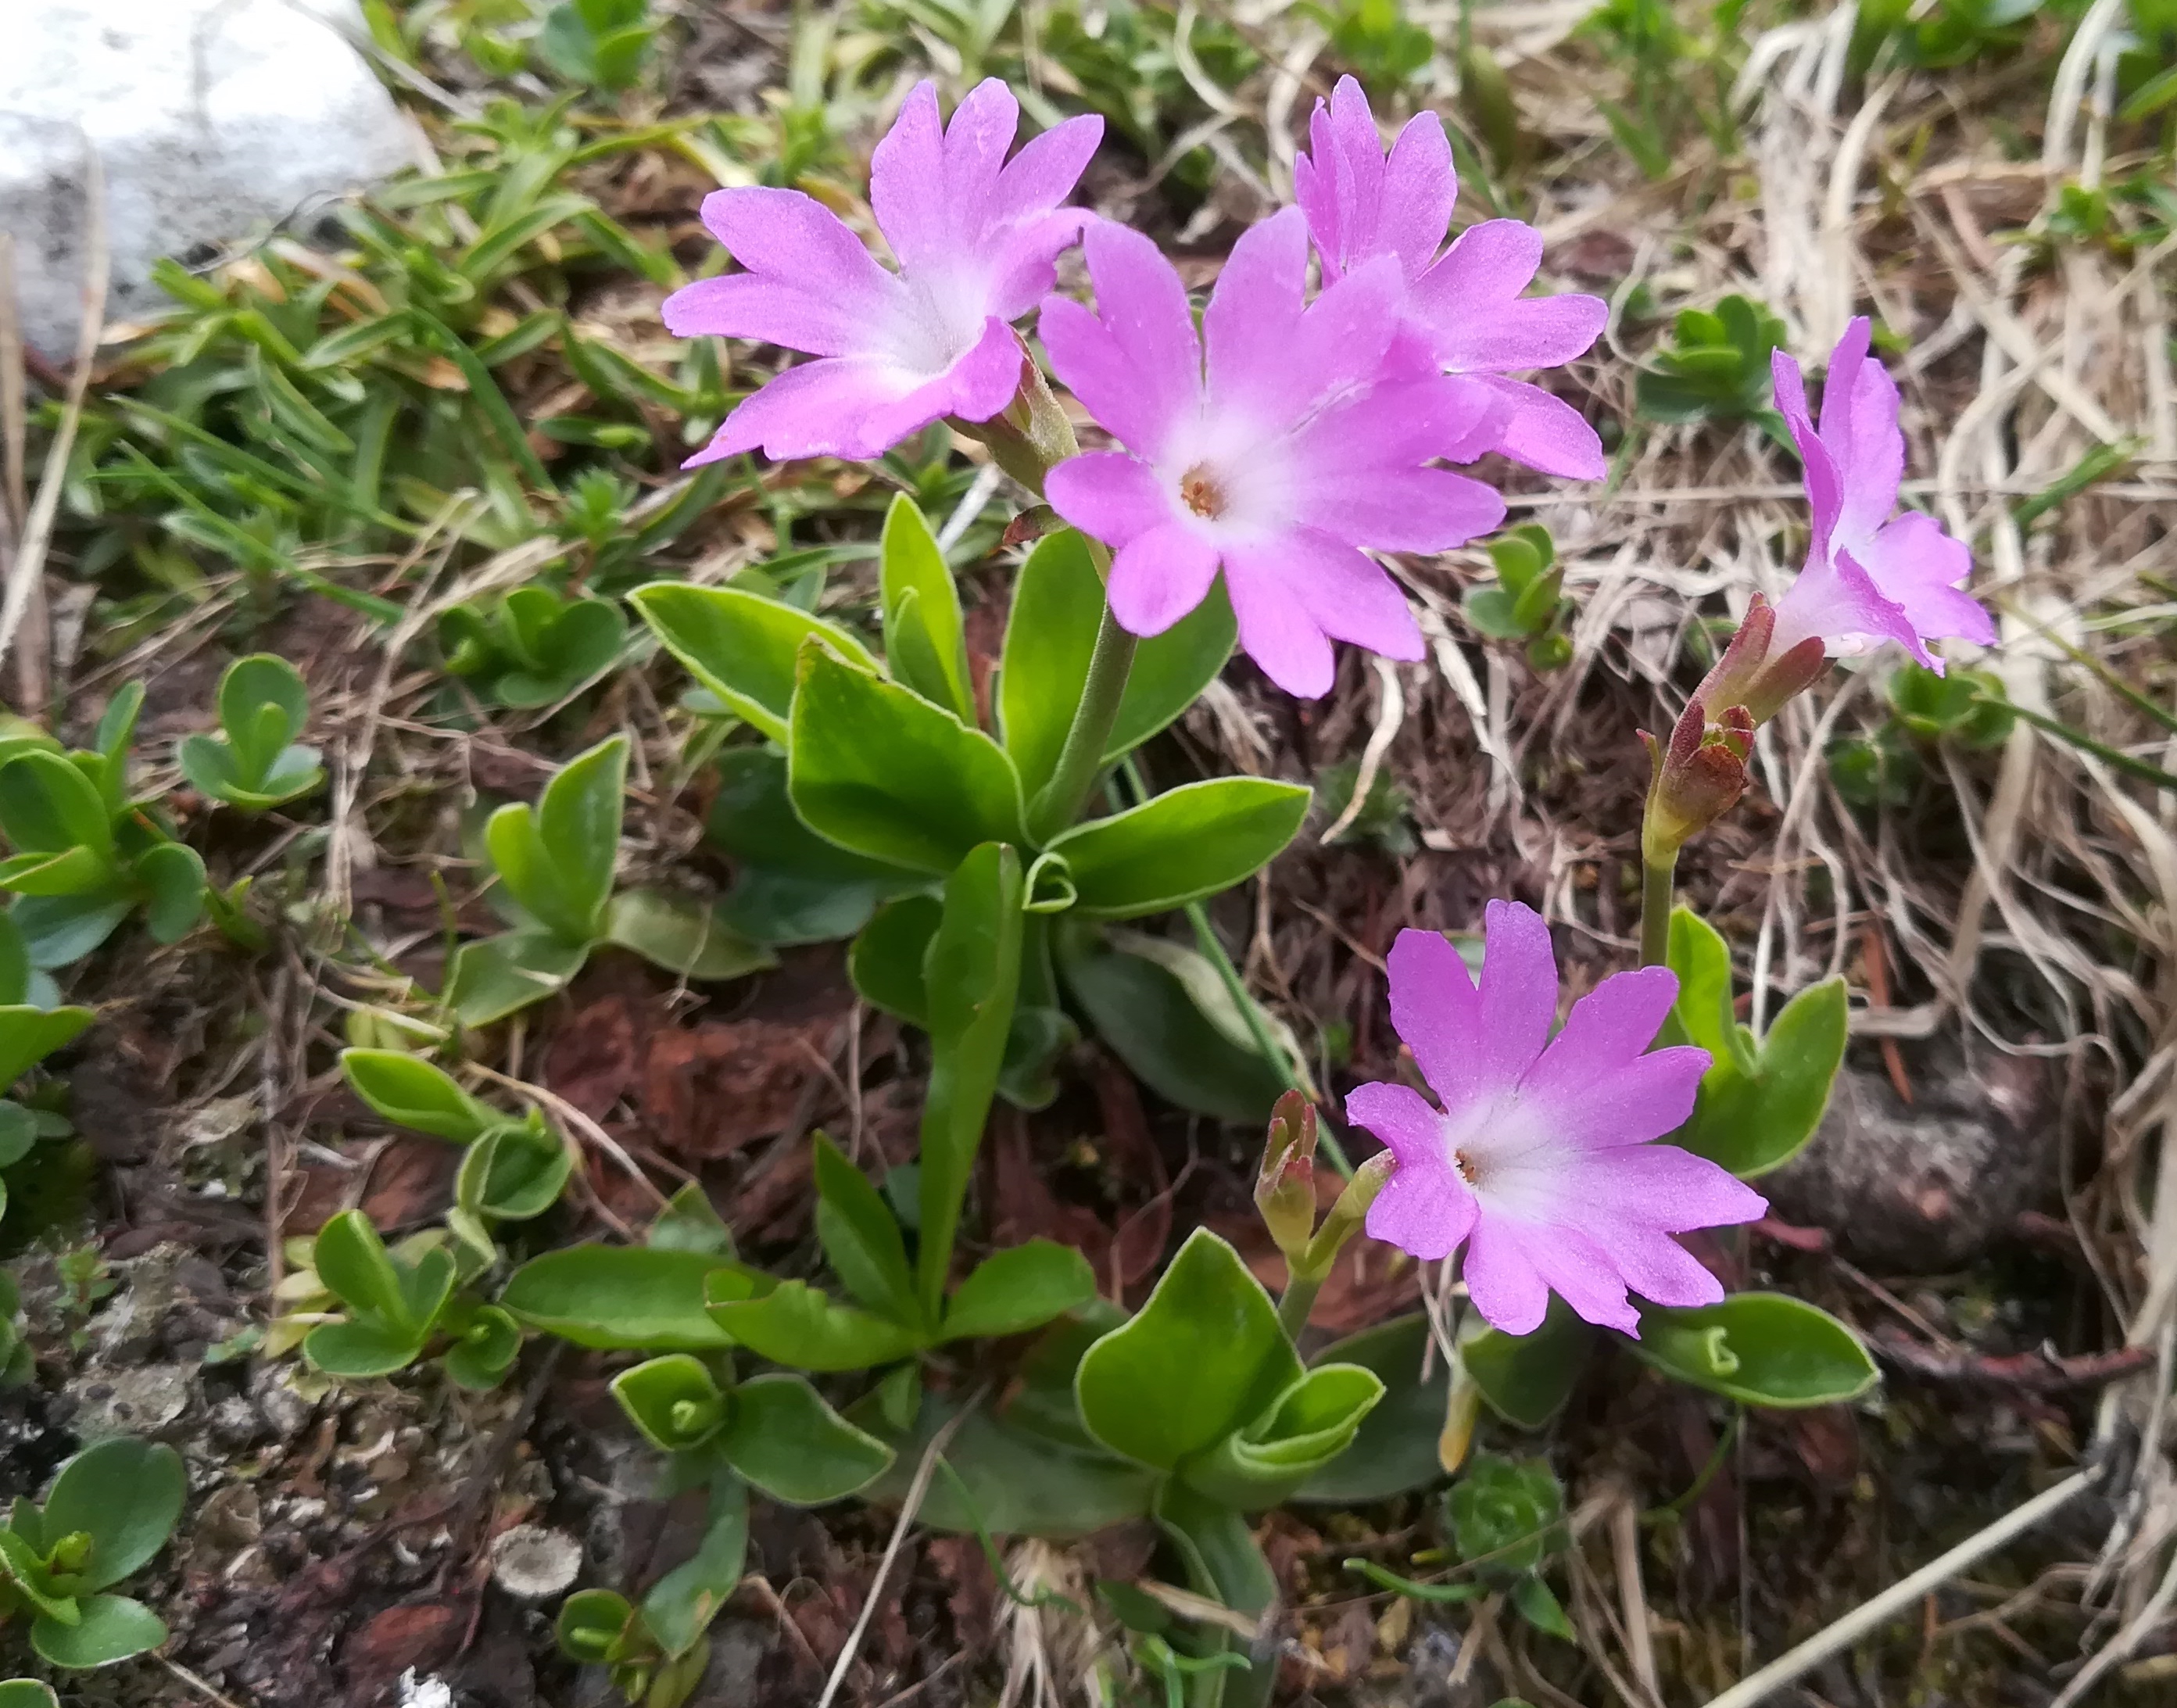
1279,457
1869,576
1461,311
1541,1157
976,237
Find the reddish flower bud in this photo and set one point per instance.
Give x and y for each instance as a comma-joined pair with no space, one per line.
1284,1187
1697,778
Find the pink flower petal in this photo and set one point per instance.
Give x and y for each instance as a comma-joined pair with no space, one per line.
1583,1274
1518,992
1419,189
1347,594
1824,497
1400,1116
1501,1278
1546,433
799,241
1399,422
1658,1267
1045,172
1399,510
1921,568
1606,1029
1659,1185
1859,426
1254,314
761,308
1275,628
1111,496
907,181
1135,364
1159,576
1357,161
1837,600
975,143
1425,1211
1646,1099
1436,1010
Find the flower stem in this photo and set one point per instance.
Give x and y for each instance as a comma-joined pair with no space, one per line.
1297,1301
1060,800
1658,873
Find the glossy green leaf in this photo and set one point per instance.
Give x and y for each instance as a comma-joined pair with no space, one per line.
410,1092
1308,1427
673,1400
642,1298
1058,602
1224,1563
681,1605
513,1171
1538,1605
782,1437
126,1495
1760,1103
1763,1349
352,1262
886,959
361,1349
1395,1450
14,964
173,876
557,861
1526,1378
860,1238
924,642
592,1626
1151,1020
683,934
29,1035
485,1349
262,705
1180,846
1204,1356
108,1629
47,805
27,1693
494,977
1442,1594
60,930
792,887
690,1222
741,645
972,971
1019,1289
880,770
796,1325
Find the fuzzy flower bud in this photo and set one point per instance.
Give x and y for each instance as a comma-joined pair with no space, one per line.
1285,1187
1696,777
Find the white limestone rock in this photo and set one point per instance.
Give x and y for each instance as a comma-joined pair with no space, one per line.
214,120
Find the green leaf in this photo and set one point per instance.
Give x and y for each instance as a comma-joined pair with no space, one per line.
690,1222
14,965
1539,1606
47,805
972,971
1763,1349
173,876
262,705
924,640
494,977
410,1092
882,771
687,934
126,1495
359,1351
1507,1515
794,887
591,1625
673,1400
486,1350
1204,1356
1019,1289
1224,1563
29,1035
1443,1593
741,645
1702,960
642,1298
861,1240
111,1628
795,1324
886,959
1396,1449
1058,602
681,1605
513,1171
1180,846
1310,1425
1493,614
782,1437
27,1693
59,930
557,861
352,1262
1152,1023
1526,1378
